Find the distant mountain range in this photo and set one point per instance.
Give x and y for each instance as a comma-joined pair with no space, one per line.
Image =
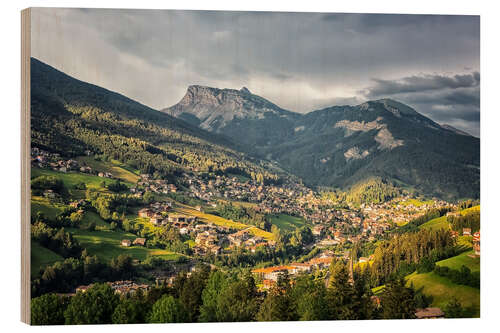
234,131
340,146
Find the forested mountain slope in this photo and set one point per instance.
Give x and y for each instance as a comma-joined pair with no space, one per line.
342,145
70,116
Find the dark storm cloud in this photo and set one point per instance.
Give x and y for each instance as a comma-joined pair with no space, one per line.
451,99
300,61
417,83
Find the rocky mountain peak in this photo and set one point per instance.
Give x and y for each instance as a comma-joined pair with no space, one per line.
245,90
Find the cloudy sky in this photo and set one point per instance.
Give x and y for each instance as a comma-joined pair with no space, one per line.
300,61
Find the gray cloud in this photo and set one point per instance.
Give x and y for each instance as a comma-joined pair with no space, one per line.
301,61
453,99
422,83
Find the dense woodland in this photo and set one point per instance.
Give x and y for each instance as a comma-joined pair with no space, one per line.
217,296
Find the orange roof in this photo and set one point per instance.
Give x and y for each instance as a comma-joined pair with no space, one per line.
272,269
300,264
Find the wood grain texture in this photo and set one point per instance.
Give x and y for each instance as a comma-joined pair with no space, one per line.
25,165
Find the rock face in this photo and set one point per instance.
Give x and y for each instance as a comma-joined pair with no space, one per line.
341,145
216,108
251,118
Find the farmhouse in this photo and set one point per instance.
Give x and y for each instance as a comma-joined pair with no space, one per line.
146,212
466,232
126,242
321,262
140,241
83,289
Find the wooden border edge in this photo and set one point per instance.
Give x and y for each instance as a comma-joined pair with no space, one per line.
25,166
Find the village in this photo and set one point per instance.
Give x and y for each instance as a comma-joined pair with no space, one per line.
334,229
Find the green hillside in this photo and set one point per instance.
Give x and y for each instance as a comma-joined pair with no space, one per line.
106,245
41,257
69,116
442,290
287,222
437,223
463,259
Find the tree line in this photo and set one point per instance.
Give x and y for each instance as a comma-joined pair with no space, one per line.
216,296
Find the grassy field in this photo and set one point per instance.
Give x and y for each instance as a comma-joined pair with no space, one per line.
287,222
241,203
415,202
465,242
41,257
442,223
89,217
70,179
436,224
442,290
462,259
183,209
470,210
49,209
378,290
106,244
116,168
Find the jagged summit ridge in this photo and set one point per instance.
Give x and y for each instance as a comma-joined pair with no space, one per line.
213,108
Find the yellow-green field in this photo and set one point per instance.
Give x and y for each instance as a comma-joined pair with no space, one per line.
442,290
106,244
442,222
49,209
471,210
436,224
70,179
415,202
287,222
183,209
463,259
116,168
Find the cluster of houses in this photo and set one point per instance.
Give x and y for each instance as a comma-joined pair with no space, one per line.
147,183
139,241
209,238
43,159
124,287
269,275
400,210
218,240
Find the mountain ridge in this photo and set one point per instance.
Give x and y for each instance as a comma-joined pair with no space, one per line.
342,145
70,116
